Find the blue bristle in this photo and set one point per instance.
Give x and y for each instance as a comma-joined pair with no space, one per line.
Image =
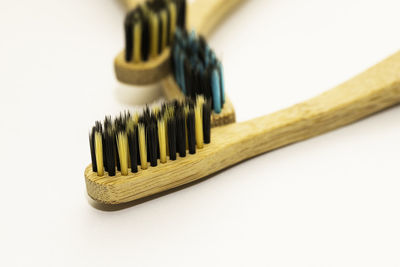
182,71
194,58
200,67
192,40
178,36
216,91
221,75
176,65
207,55
213,58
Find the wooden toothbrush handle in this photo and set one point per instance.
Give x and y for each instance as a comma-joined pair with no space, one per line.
204,15
371,91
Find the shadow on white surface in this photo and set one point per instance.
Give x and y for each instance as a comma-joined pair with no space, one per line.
137,95
116,207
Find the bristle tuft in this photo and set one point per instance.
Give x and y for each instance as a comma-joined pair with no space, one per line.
197,71
150,28
159,134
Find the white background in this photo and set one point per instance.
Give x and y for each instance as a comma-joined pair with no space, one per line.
330,201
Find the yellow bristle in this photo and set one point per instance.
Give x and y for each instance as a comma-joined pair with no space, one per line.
164,30
130,126
142,146
200,99
172,17
122,145
135,118
153,34
98,142
169,113
166,131
137,47
156,110
162,140
198,116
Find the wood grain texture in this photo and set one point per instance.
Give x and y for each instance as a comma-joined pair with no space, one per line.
143,73
202,15
227,115
369,92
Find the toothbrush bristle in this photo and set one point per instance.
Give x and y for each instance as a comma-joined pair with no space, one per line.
150,28
197,70
155,136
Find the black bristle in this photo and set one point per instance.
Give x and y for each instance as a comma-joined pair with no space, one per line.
181,8
171,126
180,133
188,77
157,141
197,82
128,36
133,18
207,89
207,122
204,89
120,125
160,31
145,40
133,149
99,127
104,137
146,121
117,156
109,149
103,141
128,42
190,120
203,47
168,27
137,142
151,140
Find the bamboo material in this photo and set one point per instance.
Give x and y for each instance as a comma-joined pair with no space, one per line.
143,73
203,16
369,92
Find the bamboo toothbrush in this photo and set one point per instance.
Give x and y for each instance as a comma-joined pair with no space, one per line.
195,66
373,90
149,28
202,15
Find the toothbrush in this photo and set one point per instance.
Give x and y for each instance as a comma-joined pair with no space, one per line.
195,65
371,91
203,16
